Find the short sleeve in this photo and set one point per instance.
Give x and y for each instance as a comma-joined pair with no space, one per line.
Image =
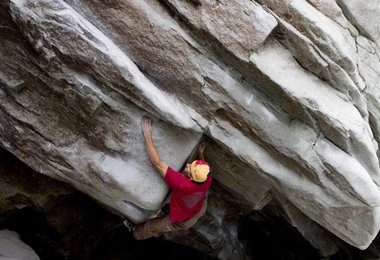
174,179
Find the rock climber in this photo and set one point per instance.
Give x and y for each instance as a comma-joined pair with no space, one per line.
187,202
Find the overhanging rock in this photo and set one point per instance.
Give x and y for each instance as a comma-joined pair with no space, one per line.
287,88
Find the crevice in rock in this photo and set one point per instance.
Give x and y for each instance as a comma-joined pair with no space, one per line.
261,138
358,69
374,125
322,72
213,50
346,12
319,135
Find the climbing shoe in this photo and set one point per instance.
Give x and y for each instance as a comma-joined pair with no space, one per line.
129,225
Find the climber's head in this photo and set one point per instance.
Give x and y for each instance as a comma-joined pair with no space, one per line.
197,171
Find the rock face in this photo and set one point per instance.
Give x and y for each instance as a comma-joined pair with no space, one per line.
11,247
285,91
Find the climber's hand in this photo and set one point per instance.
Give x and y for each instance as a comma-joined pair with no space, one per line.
147,126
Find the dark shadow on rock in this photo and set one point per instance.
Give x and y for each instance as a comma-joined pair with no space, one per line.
71,225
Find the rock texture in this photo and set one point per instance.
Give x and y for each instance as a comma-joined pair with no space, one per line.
21,188
285,91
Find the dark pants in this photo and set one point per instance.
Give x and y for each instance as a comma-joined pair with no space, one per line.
164,224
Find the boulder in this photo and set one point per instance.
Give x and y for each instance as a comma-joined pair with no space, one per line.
11,247
284,92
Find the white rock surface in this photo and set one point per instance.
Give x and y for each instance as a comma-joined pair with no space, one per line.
11,247
364,16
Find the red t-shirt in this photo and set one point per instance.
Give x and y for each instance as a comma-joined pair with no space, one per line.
187,197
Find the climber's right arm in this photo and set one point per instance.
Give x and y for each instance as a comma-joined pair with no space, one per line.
147,127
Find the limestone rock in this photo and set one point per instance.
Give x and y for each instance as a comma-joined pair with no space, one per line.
285,91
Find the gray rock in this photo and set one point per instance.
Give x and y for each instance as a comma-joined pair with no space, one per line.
364,16
285,91
11,247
